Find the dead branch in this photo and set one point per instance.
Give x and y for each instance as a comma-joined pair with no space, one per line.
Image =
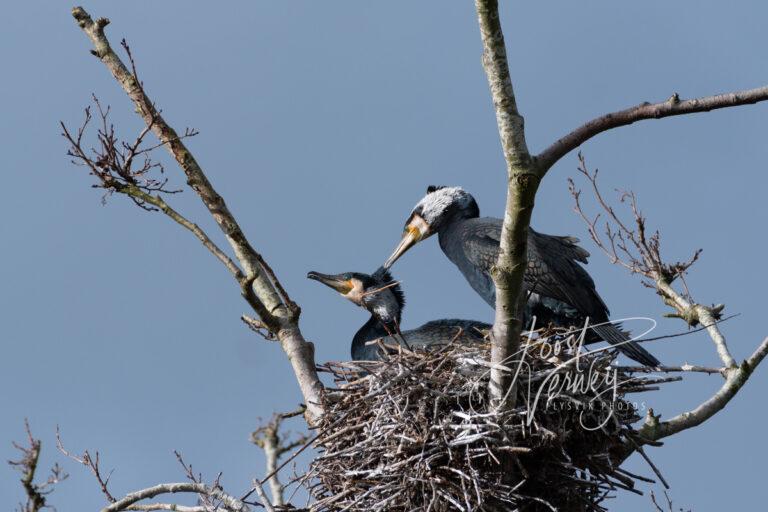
669,505
627,245
27,465
672,369
263,496
274,444
735,378
673,106
92,463
207,500
148,507
630,245
228,503
259,285
212,498
258,327
112,163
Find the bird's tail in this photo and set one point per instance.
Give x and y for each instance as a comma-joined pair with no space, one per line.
631,349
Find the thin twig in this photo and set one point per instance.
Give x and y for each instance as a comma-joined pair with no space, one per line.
92,463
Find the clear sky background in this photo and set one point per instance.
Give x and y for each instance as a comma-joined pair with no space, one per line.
321,124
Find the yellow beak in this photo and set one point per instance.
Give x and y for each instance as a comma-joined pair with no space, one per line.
411,236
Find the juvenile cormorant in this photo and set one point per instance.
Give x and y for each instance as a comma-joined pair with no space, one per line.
384,299
559,290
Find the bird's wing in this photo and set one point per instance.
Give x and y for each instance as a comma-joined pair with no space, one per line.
553,265
480,242
554,271
471,326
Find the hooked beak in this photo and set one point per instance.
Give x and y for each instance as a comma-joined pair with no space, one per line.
416,231
410,238
337,282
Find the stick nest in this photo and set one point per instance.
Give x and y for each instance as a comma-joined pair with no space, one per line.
415,431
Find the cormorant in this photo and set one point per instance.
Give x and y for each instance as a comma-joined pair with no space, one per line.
559,290
384,299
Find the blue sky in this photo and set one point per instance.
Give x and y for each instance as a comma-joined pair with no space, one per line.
322,124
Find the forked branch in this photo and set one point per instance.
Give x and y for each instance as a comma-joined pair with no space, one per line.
259,285
93,463
275,444
113,163
629,245
525,172
228,503
36,492
211,497
655,429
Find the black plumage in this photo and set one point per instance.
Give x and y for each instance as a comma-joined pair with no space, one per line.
384,299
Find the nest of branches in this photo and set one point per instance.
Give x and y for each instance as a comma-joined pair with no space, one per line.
415,431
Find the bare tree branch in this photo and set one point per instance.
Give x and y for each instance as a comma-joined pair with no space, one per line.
228,502
669,505
27,465
263,496
148,507
92,463
260,287
523,181
267,439
258,327
697,313
653,429
201,235
274,445
212,497
113,167
686,368
640,253
674,106
167,136
207,501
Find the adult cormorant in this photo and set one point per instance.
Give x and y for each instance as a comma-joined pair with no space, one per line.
384,299
559,290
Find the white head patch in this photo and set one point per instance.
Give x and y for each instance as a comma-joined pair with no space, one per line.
435,204
357,293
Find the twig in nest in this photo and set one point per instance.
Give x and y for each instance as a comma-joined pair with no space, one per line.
418,434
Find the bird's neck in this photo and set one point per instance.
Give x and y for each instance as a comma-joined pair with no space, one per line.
373,329
448,232
455,219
